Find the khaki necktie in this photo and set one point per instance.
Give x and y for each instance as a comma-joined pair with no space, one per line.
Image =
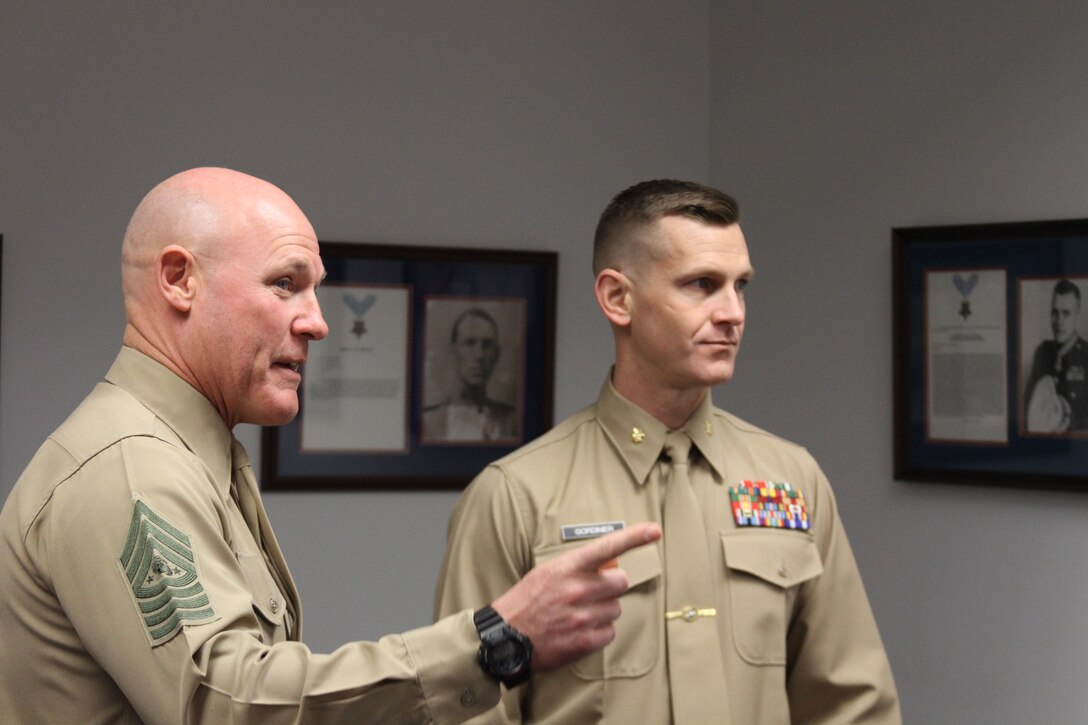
696,672
248,496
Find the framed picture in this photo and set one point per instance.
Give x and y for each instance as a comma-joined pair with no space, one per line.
438,361
990,354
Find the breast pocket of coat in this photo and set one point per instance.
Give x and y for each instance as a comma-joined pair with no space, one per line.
268,603
638,639
765,569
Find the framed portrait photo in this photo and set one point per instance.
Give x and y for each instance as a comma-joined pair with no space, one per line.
991,353
438,361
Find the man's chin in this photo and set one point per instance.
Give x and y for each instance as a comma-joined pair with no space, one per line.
719,380
719,374
275,413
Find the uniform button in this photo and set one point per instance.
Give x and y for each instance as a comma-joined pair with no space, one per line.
273,605
783,571
468,698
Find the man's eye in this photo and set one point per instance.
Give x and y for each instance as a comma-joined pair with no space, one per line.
284,284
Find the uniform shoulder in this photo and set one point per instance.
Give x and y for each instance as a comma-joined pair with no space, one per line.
543,445
109,414
740,427
82,449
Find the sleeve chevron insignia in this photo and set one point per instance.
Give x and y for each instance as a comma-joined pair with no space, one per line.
159,565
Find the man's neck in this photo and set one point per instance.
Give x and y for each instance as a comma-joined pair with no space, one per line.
671,406
473,395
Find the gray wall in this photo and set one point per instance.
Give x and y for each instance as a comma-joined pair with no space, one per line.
833,123
509,125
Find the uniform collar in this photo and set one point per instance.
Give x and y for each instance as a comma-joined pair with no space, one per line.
180,406
639,437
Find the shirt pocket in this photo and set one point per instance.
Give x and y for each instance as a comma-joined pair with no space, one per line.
765,569
636,647
268,602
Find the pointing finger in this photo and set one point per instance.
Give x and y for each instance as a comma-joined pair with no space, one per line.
598,554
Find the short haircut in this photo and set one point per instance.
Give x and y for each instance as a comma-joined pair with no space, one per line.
644,203
1065,287
473,312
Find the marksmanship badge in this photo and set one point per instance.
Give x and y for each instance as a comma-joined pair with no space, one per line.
159,565
773,505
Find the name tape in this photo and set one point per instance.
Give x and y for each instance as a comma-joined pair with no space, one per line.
577,532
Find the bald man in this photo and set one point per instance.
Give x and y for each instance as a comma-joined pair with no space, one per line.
140,580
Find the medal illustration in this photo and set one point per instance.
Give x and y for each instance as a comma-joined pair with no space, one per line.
359,307
965,286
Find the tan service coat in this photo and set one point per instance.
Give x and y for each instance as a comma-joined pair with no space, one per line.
74,644
796,632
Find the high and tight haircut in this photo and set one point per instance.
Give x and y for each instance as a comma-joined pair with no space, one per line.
473,312
1065,287
646,202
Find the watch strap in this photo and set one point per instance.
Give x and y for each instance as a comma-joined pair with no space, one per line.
486,619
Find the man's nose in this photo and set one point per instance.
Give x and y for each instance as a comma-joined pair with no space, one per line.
311,323
729,308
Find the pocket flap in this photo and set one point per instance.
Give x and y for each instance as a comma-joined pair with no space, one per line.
641,564
781,558
263,588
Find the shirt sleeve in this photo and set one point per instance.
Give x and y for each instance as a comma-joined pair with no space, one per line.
219,668
838,671
487,552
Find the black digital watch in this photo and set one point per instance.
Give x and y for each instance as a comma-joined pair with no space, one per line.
505,653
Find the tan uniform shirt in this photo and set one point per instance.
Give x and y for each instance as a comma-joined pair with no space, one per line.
796,633
133,492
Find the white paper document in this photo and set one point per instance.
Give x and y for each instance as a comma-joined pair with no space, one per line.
356,382
966,356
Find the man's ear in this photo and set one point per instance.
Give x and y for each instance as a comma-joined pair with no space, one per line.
613,290
175,276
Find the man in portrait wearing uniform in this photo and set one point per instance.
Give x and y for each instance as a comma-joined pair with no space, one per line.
140,579
751,608
469,414
1057,388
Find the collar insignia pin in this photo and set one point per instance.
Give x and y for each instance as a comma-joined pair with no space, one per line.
637,436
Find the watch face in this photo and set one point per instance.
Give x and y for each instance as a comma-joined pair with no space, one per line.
507,656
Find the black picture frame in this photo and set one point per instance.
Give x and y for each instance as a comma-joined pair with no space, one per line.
366,422
971,400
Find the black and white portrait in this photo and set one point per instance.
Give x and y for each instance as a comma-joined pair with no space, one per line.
473,370
1054,355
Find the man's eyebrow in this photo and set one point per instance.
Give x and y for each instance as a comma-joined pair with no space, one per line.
717,273
300,266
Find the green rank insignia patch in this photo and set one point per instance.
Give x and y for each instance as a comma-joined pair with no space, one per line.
159,565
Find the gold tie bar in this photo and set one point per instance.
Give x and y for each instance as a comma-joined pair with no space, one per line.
690,614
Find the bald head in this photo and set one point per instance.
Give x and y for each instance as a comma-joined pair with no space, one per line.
220,273
205,211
